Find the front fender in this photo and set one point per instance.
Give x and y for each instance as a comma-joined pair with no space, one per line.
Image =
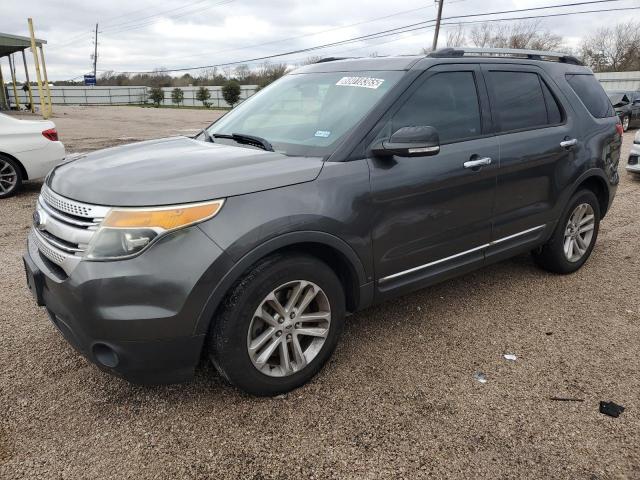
270,246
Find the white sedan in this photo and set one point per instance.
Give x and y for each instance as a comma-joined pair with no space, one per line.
28,150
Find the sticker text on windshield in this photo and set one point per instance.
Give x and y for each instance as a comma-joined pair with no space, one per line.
363,82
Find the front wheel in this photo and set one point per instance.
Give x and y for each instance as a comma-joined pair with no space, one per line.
278,325
575,236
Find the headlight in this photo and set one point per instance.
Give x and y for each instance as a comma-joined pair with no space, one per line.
128,231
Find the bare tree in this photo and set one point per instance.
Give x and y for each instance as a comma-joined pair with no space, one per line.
311,60
615,48
456,37
242,72
526,34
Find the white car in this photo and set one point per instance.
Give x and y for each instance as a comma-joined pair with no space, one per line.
633,164
28,150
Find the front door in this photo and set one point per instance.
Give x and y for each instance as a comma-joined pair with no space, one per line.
432,214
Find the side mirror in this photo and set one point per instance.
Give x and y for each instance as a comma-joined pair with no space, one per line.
409,142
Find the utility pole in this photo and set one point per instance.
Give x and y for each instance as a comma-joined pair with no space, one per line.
437,31
95,52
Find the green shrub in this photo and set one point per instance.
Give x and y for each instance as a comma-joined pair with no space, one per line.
177,96
156,94
231,92
203,94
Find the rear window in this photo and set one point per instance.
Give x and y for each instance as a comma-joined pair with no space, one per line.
592,95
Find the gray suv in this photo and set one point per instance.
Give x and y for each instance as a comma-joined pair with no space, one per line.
343,184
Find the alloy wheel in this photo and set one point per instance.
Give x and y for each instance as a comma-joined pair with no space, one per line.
625,123
8,177
579,232
289,328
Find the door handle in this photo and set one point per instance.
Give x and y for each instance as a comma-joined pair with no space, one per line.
569,143
480,162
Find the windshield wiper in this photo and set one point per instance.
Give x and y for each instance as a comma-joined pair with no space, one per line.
207,135
247,140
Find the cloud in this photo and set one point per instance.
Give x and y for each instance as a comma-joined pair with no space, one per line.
148,34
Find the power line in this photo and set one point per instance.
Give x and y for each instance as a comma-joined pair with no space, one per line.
405,29
77,38
127,28
271,42
158,14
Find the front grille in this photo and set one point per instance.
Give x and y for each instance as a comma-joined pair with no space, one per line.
53,255
63,227
633,160
65,205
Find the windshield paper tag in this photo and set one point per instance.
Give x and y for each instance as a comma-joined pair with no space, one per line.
322,134
363,82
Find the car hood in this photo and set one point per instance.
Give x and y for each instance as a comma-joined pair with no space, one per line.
176,170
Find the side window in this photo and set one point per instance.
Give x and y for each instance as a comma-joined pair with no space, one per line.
553,109
592,95
447,101
519,102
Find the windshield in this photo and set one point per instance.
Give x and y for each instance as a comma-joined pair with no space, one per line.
306,114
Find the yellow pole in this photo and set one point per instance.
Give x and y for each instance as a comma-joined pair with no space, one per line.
4,100
46,80
26,74
12,67
34,50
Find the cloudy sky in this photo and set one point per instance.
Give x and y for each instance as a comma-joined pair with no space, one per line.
147,34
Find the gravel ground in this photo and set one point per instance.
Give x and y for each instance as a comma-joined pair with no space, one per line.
398,399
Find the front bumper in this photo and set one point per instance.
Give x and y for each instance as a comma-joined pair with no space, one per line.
633,163
134,318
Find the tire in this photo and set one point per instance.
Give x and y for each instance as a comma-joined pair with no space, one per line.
10,177
553,255
626,121
239,326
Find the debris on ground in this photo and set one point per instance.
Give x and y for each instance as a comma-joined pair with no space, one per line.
612,409
510,356
566,399
480,377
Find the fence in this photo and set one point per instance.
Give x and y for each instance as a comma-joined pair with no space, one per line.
216,99
124,95
619,80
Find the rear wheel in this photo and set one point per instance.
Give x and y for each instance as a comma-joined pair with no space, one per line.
574,237
10,177
279,325
625,123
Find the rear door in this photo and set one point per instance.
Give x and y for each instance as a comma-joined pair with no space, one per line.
537,139
431,215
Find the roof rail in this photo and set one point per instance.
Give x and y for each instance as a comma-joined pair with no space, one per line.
505,53
330,59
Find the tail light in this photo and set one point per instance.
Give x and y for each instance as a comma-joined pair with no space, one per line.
51,134
619,128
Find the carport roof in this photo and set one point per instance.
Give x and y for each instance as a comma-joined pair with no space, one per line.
14,43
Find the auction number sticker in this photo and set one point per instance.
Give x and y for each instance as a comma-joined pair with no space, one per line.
362,82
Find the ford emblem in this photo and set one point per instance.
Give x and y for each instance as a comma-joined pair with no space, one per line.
40,220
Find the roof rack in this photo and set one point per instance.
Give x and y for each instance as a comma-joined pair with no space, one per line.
505,53
330,59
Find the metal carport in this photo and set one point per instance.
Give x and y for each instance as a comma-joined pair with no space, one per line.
9,46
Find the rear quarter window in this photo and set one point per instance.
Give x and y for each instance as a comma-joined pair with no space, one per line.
592,94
